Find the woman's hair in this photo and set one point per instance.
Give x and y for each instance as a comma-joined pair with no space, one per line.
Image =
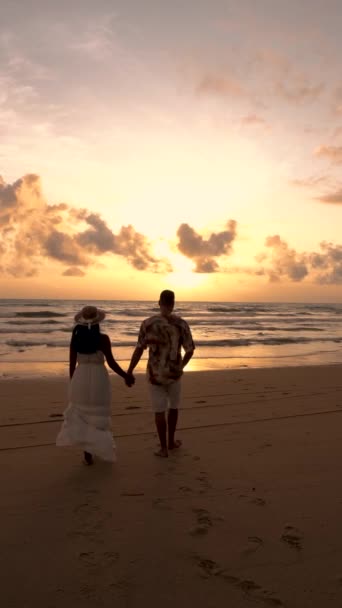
86,340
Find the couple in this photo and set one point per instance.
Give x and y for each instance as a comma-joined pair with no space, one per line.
87,419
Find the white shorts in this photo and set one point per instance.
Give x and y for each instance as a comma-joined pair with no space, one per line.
165,396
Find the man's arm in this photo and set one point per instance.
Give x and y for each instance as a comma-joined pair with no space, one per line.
135,359
187,343
187,357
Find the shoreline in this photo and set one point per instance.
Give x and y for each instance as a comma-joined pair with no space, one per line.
59,369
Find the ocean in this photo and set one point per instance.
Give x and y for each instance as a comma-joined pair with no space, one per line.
35,334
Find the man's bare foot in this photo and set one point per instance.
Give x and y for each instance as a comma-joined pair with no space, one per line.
88,458
162,453
176,444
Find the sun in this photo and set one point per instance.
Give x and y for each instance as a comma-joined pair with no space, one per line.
183,275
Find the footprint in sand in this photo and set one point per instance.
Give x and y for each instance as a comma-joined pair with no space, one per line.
206,485
254,543
87,558
250,588
198,530
254,591
159,503
208,567
185,489
98,560
292,537
82,507
258,501
204,522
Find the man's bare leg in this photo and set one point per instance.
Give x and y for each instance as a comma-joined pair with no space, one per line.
161,429
172,424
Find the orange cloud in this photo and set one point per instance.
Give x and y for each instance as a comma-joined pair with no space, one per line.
323,267
218,84
334,198
204,251
333,153
33,231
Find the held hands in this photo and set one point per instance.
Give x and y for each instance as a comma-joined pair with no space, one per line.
129,379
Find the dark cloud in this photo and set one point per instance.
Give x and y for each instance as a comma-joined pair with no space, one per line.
98,238
323,267
328,263
206,265
33,231
73,272
128,243
133,246
332,153
204,251
64,248
318,182
334,198
286,262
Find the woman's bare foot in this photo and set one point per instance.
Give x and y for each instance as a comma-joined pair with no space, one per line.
162,453
176,444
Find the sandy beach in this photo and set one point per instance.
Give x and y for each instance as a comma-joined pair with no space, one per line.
247,511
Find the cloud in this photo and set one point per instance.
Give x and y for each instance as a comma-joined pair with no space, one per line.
311,182
323,267
284,80
286,262
332,153
220,85
204,251
337,103
73,272
330,261
97,41
299,90
278,78
332,186
32,231
253,120
334,198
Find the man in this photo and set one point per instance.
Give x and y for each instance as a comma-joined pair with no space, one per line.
165,335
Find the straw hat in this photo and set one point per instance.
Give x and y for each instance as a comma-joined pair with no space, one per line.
90,315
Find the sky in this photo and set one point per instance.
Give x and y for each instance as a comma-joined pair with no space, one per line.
191,145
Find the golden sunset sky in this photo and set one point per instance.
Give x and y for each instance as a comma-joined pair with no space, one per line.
193,145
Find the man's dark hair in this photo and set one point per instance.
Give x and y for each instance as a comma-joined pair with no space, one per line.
84,340
167,297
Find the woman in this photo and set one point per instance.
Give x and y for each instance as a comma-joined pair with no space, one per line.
87,419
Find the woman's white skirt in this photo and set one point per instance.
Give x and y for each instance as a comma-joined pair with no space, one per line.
87,419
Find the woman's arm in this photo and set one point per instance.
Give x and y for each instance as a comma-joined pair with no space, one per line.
72,360
107,351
